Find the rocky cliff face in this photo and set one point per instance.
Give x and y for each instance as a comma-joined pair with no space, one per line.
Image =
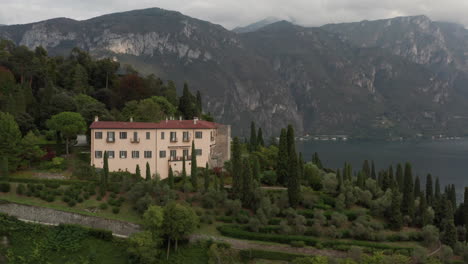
390,77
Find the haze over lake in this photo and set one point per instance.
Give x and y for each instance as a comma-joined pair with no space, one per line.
446,159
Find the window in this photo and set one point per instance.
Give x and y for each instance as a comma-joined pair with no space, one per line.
186,153
162,154
173,137
123,154
98,135
148,154
110,154
148,135
135,154
185,136
173,154
123,135
198,134
110,136
162,135
198,152
98,154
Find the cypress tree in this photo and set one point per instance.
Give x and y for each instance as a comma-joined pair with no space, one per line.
465,211
4,171
207,178
399,177
395,216
170,178
361,179
105,174
422,210
215,183
429,190
449,231
247,184
301,166
236,165
453,196
294,190
194,168
373,175
253,137
221,181
417,187
407,206
349,171
390,173
437,189
255,168
199,103
138,171
184,171
340,179
282,162
316,160
187,103
148,172
366,169
260,141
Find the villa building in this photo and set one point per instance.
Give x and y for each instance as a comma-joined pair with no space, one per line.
161,145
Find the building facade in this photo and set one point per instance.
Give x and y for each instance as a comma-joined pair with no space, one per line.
161,145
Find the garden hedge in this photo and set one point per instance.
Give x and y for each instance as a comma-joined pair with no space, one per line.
250,254
48,181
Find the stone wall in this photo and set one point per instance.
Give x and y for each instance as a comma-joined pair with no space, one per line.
55,217
222,149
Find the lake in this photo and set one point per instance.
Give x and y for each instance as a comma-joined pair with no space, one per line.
446,159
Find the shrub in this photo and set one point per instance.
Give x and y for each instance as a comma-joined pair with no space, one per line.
71,203
268,177
4,187
103,206
21,189
297,244
100,234
79,200
250,254
115,210
99,198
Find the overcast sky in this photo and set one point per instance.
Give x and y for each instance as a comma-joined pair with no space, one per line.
231,13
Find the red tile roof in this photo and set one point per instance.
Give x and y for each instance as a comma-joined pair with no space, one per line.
169,124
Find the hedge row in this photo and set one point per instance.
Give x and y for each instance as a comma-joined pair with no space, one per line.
351,214
250,254
48,181
238,232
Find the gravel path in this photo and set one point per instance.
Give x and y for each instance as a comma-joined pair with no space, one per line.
246,244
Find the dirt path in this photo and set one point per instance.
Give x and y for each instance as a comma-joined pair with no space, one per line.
245,244
435,251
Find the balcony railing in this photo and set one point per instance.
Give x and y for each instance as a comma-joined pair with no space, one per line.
110,140
174,139
187,158
135,140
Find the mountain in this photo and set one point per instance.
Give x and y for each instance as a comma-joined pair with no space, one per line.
257,25
385,78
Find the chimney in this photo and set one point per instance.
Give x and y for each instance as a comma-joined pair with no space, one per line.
195,119
96,118
131,119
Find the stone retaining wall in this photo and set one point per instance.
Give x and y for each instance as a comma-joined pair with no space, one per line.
55,217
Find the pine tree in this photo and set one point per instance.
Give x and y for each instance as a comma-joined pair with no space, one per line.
206,175
236,167
417,187
194,168
429,190
170,178
449,231
407,206
253,137
148,172
282,162
247,184
373,176
399,177
138,171
366,169
294,190
184,171
395,216
260,141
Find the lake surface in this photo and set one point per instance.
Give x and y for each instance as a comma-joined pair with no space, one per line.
446,159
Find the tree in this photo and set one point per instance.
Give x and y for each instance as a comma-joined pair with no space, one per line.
153,219
449,231
395,217
429,190
30,150
144,247
171,178
465,210
417,187
170,92
255,168
80,79
399,177
301,166
247,184
260,141
294,189
184,171
206,175
10,139
373,175
105,174
283,158
194,168
4,171
199,103
179,221
236,168
437,189
148,172
253,137
69,124
316,160
407,205
366,169
138,171
187,103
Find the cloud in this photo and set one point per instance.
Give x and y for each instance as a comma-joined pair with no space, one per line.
241,12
